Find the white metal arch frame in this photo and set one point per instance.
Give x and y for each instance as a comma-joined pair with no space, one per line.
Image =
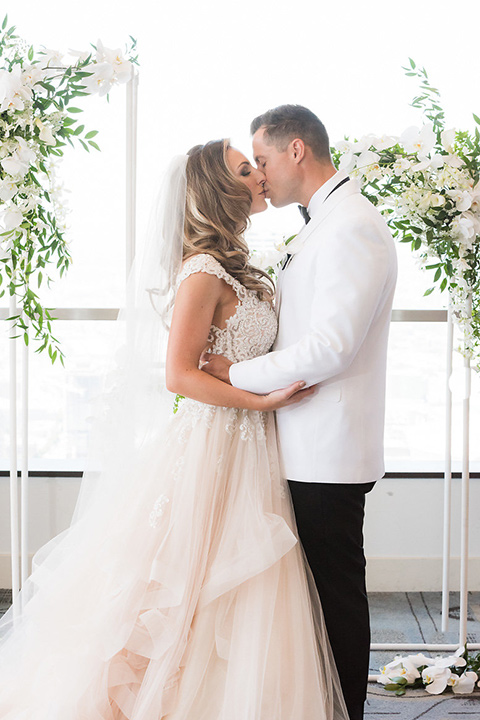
19,516
446,316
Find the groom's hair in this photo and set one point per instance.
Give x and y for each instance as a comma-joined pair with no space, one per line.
287,122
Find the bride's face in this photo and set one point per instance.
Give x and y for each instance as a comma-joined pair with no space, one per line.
250,176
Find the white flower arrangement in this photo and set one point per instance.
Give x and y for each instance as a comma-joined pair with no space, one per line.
458,672
37,120
426,184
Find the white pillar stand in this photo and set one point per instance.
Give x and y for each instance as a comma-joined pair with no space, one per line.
447,488
462,640
24,463
14,528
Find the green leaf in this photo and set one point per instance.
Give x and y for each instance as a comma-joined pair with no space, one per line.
438,275
91,134
74,110
428,292
5,21
400,692
476,118
400,680
392,687
412,64
93,144
25,338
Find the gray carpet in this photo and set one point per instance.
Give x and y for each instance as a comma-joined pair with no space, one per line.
407,617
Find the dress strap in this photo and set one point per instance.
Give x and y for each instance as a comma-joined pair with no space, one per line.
204,262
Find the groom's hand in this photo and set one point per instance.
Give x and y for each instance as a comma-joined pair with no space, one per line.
216,365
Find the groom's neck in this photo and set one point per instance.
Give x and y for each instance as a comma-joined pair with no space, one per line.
315,176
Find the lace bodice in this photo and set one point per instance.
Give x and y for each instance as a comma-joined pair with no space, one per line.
251,330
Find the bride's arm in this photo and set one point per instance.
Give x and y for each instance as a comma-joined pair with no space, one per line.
195,303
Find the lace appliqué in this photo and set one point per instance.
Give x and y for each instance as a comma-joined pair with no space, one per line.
251,330
158,510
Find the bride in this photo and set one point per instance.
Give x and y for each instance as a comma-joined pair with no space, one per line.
180,590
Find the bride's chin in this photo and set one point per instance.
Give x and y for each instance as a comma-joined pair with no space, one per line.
255,209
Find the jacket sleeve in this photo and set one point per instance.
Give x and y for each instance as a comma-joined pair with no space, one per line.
351,270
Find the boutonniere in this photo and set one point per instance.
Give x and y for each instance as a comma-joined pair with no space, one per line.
271,260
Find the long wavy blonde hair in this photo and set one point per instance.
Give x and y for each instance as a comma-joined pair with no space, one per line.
217,215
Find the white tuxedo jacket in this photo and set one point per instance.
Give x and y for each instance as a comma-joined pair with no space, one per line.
334,301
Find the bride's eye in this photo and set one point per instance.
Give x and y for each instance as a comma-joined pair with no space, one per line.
245,172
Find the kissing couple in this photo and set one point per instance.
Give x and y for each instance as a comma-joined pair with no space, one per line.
214,568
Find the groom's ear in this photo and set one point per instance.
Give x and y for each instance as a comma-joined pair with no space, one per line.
297,149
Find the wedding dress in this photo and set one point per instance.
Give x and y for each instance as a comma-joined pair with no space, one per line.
201,608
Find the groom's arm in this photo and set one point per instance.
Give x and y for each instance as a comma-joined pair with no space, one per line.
351,272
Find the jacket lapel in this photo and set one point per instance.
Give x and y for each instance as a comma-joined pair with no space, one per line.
330,203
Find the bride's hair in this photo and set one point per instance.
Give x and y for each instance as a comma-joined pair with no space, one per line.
217,215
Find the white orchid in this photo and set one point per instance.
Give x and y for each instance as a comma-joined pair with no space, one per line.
400,667
448,139
436,679
122,68
101,80
419,660
462,198
420,141
8,188
367,164
437,200
475,194
454,161
268,259
463,684
456,660
31,75
46,134
20,160
347,162
51,60
383,142
401,165
13,93
12,217
465,227
344,146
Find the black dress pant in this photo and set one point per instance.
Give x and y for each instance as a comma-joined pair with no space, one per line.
330,526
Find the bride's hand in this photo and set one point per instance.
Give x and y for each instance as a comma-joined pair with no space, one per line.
286,396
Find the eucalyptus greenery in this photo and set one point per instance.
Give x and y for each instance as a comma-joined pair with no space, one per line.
39,116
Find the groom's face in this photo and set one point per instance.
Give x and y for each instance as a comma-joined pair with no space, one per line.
279,168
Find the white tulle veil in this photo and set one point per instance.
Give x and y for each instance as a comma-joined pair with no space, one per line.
133,410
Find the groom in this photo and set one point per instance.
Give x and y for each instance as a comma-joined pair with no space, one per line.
334,300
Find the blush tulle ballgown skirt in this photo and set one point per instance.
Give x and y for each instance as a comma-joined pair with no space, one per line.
187,598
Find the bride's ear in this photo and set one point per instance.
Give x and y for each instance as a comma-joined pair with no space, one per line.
297,149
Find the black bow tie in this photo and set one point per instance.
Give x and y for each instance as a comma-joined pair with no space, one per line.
304,214
304,211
